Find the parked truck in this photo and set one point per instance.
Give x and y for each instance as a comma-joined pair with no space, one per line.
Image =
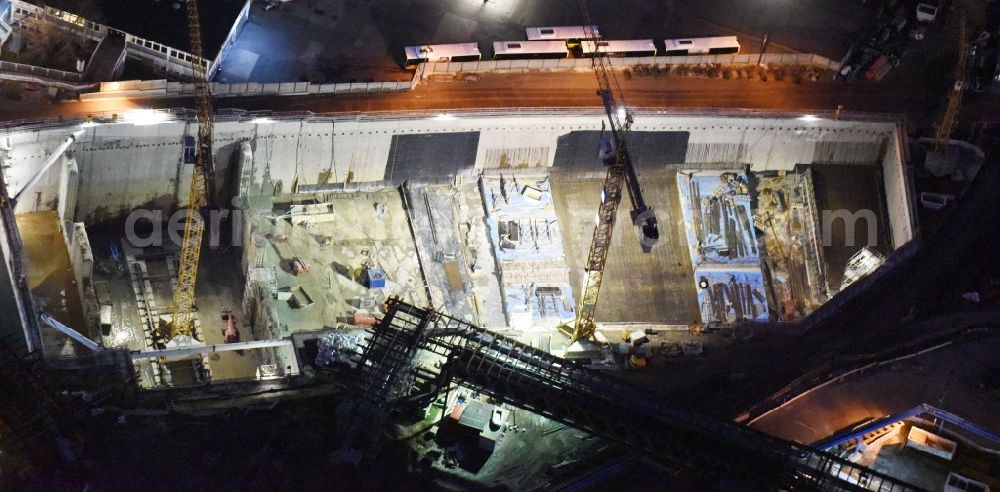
927,10
883,64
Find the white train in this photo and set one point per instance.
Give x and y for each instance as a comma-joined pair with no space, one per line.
720,45
437,53
631,47
571,34
529,50
562,41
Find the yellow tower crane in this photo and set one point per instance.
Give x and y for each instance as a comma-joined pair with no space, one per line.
955,94
202,185
620,175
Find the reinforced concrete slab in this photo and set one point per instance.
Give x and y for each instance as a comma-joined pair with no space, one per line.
529,247
486,295
354,47
112,284
357,229
436,213
637,287
219,287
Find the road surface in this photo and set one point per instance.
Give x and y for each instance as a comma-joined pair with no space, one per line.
949,380
554,90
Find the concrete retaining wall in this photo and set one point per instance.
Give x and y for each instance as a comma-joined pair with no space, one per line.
125,166
28,153
69,182
900,199
14,275
81,257
780,144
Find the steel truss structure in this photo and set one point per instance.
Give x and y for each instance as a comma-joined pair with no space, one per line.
390,372
202,186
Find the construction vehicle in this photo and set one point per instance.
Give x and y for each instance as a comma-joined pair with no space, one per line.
230,333
300,266
202,186
636,348
883,64
620,174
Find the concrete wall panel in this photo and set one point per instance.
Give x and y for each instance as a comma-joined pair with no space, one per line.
28,153
578,150
69,179
899,199
515,148
430,155
124,167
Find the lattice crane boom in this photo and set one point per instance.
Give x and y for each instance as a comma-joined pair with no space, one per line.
955,94
621,174
202,185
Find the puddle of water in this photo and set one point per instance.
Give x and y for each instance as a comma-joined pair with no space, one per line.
50,275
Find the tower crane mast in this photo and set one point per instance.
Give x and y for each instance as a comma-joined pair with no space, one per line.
620,175
202,185
955,94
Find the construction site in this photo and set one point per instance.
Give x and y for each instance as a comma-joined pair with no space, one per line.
332,216
486,218
602,295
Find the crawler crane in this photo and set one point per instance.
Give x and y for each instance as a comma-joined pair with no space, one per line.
202,185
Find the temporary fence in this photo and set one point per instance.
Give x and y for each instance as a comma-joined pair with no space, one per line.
584,64
163,88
